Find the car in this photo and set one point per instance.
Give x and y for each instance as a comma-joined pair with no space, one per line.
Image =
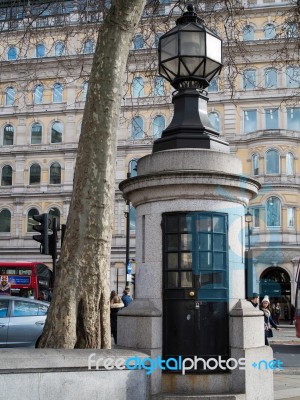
21,321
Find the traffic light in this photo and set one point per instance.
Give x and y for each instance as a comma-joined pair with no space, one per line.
133,279
42,228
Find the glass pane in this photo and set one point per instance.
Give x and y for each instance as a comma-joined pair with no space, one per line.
219,260
219,242
214,48
185,223
172,260
186,260
218,223
186,241
172,280
23,308
186,279
172,242
172,224
205,260
204,241
169,47
203,223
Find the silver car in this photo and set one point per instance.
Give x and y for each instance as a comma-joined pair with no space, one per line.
21,321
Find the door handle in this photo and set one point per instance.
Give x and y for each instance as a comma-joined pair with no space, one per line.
2,325
40,323
192,293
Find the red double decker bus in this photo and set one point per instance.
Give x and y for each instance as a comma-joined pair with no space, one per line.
297,302
25,279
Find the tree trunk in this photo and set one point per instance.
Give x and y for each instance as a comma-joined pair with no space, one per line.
79,312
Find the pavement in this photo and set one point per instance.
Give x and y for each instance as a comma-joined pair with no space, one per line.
287,382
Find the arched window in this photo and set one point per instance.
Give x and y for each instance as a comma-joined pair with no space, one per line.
272,162
138,87
137,128
55,173
159,86
38,94
59,49
30,220
249,79
138,42
273,211
54,213
56,132
10,96
6,176
57,93
271,78
213,85
255,164
293,77
5,221
12,53
8,135
248,33
132,167
289,164
40,50
84,90
156,38
269,31
214,119
132,218
159,124
35,174
88,47
36,133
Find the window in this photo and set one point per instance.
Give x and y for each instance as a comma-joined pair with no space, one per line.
5,221
84,90
272,162
137,128
289,159
138,87
132,218
55,174
25,309
8,135
293,118
270,31
290,213
291,30
293,77
250,121
30,220
57,93
35,174
56,132
40,51
256,217
12,53
271,78
10,96
271,118
159,86
6,177
88,47
213,85
214,119
273,211
54,213
59,49
3,306
158,126
156,38
36,133
138,42
38,94
255,164
249,79
248,33
133,167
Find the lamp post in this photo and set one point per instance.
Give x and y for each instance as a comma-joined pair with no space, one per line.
249,219
190,55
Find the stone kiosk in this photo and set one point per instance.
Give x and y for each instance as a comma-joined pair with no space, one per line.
190,198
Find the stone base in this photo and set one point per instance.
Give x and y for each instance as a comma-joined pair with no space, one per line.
170,396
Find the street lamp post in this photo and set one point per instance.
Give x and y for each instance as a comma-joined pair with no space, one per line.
190,56
249,219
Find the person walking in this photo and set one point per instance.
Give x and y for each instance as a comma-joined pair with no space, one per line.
116,304
292,314
277,313
126,298
268,320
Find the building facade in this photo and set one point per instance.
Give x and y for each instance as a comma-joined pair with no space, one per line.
46,55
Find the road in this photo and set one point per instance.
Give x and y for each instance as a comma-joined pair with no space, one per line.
289,354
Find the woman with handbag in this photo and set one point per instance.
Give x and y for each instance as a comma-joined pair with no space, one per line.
268,320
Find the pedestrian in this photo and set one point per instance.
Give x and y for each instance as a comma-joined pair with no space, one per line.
292,314
268,320
277,313
116,304
273,313
126,298
43,296
254,300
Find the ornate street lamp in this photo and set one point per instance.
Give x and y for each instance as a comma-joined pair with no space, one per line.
248,219
190,56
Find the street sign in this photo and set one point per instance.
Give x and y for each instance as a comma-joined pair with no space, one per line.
129,268
128,277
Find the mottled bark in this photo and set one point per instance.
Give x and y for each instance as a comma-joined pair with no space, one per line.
79,312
